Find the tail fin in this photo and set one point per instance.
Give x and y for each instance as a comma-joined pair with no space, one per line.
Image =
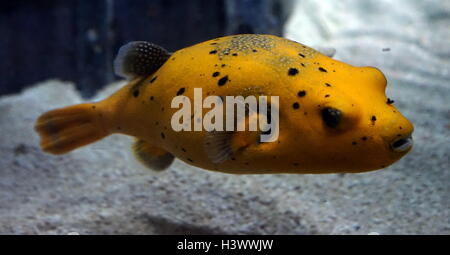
68,128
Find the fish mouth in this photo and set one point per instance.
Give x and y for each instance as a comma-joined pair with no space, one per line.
402,144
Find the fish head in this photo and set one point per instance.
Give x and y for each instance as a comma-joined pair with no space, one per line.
348,124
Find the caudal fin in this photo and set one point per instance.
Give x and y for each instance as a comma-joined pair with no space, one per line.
63,130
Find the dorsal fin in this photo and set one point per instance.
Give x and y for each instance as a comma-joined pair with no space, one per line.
139,58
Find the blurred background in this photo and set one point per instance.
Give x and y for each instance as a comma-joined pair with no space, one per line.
77,40
57,53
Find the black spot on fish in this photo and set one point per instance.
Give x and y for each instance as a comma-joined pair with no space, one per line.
390,101
136,93
190,160
233,159
234,54
296,105
400,127
301,93
354,143
183,149
296,164
327,84
223,65
374,118
213,52
222,80
327,95
301,55
138,84
215,74
163,136
151,98
364,138
322,69
213,43
180,91
254,50
292,71
93,107
302,64
153,79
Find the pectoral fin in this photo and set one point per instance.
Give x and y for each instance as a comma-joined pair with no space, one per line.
220,146
139,58
150,156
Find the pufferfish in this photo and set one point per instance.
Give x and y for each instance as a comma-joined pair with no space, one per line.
333,117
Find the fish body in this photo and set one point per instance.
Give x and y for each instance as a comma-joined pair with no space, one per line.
332,117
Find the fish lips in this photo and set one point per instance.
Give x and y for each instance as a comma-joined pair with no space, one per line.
402,144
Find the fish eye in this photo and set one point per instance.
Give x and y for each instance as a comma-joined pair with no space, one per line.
331,116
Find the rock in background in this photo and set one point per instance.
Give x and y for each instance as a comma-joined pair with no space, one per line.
100,190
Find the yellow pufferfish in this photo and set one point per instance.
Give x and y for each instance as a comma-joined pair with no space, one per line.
333,117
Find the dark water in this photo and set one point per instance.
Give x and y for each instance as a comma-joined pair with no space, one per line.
77,40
